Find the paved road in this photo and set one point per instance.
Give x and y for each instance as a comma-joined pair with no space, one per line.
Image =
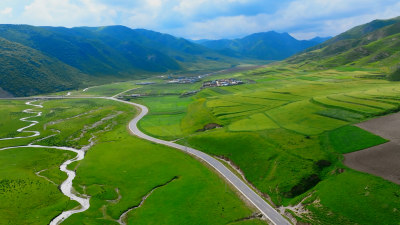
254,198
266,209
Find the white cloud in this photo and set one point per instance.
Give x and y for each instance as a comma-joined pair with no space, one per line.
155,3
304,19
333,26
204,18
222,27
68,13
6,11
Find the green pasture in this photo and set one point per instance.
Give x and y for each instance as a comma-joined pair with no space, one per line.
284,128
11,112
350,138
355,198
164,88
255,122
25,197
195,195
165,115
107,89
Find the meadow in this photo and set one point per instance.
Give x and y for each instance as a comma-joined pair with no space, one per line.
27,198
117,165
11,112
286,129
104,90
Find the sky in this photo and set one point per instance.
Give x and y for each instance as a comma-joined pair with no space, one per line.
204,19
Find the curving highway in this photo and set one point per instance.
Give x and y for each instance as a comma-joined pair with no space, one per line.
267,210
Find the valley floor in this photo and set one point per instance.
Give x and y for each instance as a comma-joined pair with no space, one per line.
128,180
286,130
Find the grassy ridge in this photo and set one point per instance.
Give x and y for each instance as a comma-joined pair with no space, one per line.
374,45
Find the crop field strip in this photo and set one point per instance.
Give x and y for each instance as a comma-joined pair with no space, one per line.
368,102
343,98
330,102
372,98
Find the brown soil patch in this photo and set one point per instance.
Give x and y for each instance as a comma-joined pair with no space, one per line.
382,160
387,127
209,126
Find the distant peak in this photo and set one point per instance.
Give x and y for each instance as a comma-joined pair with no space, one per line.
319,39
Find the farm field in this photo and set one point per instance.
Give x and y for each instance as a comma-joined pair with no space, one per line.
286,129
141,167
381,160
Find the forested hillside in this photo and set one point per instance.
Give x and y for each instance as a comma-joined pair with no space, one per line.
25,71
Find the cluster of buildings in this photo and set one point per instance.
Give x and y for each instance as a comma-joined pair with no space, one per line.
222,83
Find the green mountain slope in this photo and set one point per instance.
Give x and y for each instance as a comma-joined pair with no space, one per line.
81,49
375,45
25,71
266,46
188,55
359,31
102,53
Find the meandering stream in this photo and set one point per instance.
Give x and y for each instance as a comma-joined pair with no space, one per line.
66,187
26,119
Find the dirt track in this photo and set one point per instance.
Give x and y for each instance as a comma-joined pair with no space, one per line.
382,160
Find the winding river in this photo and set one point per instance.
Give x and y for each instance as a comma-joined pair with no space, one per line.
66,187
26,119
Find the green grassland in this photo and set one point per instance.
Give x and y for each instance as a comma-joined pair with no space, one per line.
195,195
25,197
11,112
287,129
164,88
105,90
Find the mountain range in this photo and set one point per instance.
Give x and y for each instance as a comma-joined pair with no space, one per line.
36,60
264,46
